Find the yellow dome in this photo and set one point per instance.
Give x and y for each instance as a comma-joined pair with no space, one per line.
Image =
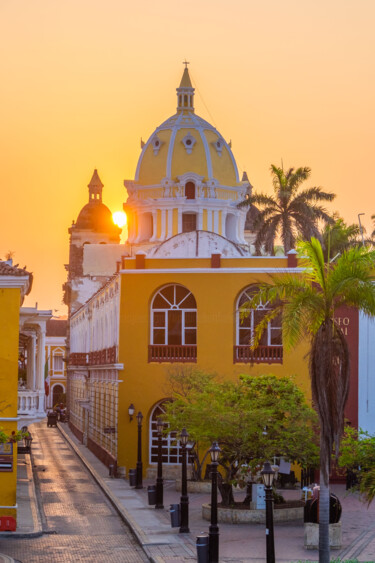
186,143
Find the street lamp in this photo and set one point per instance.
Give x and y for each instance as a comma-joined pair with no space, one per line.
214,528
268,476
184,501
159,480
139,460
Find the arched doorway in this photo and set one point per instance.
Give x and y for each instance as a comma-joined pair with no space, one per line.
58,395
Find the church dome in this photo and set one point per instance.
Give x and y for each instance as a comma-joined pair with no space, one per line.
186,142
95,216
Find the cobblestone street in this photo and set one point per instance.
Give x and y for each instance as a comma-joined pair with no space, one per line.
79,521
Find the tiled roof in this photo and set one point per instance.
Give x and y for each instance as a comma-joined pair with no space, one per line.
56,327
7,270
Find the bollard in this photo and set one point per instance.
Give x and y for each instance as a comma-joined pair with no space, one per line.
202,544
132,477
151,490
175,515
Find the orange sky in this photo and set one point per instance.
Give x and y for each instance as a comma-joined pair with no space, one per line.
83,80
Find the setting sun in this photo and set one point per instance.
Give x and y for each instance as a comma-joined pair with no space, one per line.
119,218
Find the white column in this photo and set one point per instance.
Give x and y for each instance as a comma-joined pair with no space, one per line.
170,223
41,360
216,222
31,360
179,221
154,225
163,225
223,222
209,220
200,220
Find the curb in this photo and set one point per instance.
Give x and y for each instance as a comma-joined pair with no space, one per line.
124,514
38,529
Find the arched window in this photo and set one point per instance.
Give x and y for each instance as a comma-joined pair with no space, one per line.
171,450
190,189
173,325
270,348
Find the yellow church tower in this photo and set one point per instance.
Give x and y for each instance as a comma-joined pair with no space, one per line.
186,180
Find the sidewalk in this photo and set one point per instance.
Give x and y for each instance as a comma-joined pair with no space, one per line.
28,517
163,544
238,543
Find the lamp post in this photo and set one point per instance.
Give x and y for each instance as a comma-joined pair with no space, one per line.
214,528
267,476
139,484
184,501
159,480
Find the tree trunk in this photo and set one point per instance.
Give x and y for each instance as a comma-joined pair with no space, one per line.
226,492
324,551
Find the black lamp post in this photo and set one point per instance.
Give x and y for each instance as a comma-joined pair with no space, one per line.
214,528
159,480
267,476
139,484
184,501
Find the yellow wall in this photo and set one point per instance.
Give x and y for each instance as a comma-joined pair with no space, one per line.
144,384
9,334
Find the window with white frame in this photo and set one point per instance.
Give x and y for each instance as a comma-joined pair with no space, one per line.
248,319
174,316
58,364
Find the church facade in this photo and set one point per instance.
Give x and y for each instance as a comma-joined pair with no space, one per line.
170,296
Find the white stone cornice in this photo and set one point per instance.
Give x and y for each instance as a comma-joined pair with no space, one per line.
19,282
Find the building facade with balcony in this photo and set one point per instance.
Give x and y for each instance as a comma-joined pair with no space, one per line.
173,301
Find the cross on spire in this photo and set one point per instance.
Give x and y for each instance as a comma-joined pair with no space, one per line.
185,62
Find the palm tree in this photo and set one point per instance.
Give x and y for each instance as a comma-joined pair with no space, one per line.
308,303
373,232
338,237
289,214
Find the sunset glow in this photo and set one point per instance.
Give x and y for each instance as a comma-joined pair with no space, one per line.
119,218
289,82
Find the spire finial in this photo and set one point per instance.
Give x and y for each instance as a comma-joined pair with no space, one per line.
186,63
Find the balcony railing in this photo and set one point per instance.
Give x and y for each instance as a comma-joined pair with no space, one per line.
261,355
96,358
172,353
28,402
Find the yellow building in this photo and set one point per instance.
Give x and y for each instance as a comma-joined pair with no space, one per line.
55,367
174,298
15,283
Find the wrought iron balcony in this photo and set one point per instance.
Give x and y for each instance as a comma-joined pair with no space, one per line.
261,355
172,353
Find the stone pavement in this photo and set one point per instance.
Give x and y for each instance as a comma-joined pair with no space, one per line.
238,543
77,520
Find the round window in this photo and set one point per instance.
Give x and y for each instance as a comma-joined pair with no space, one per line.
188,142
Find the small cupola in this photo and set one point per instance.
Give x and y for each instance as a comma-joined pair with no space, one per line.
185,92
95,188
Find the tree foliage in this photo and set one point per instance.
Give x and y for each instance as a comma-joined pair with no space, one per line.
290,213
358,455
253,418
308,303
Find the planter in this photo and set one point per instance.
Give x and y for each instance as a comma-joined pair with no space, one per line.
195,486
312,536
241,516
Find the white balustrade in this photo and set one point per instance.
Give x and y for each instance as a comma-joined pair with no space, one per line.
28,402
